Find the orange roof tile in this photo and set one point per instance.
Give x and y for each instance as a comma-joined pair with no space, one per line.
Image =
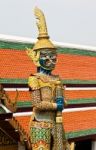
16,64
77,94
81,120
24,123
22,95
76,67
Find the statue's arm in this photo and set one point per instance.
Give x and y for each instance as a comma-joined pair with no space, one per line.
41,105
36,96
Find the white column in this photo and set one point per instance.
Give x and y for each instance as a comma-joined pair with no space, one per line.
93,145
21,146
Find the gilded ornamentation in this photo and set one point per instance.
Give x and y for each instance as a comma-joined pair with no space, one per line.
46,129
4,98
72,146
34,56
41,23
33,82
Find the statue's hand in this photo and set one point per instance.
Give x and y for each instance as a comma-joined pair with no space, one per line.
60,103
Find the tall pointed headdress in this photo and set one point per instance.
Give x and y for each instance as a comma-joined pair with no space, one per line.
43,38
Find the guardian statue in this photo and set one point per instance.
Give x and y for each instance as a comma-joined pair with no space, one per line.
46,129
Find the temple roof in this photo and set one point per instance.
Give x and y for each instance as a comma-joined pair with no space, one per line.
17,65
76,66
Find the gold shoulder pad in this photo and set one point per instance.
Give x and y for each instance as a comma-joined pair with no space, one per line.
33,82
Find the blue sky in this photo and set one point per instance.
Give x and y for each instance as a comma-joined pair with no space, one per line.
71,21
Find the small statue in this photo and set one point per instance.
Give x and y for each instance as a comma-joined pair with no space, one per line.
5,100
46,129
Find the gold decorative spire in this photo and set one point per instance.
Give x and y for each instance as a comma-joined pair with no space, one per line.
41,23
43,38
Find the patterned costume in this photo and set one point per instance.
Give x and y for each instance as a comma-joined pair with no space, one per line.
46,130
43,125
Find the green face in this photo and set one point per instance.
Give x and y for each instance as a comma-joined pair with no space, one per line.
48,59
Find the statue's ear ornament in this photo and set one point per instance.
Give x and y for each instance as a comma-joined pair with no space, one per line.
34,55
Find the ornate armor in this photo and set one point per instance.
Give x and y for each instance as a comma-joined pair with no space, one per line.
44,92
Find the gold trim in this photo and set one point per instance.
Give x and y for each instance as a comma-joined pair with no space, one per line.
59,120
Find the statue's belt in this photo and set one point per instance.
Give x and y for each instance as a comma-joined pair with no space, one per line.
41,124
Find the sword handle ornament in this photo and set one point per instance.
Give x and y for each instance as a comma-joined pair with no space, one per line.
59,102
